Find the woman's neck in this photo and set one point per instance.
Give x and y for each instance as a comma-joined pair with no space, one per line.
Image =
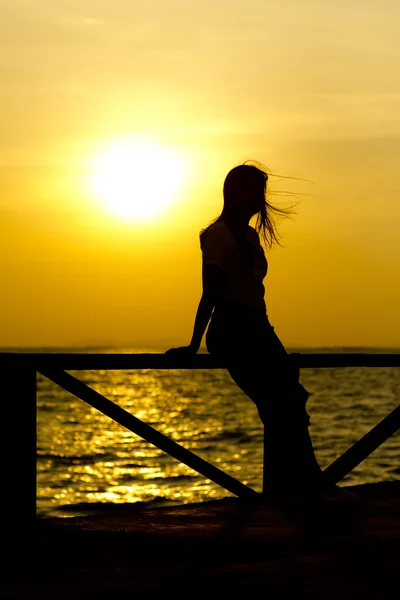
236,223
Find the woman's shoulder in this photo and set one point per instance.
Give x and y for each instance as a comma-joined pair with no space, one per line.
219,227
216,232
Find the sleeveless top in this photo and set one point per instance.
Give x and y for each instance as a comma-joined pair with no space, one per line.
242,261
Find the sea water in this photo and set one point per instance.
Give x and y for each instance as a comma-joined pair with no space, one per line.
86,459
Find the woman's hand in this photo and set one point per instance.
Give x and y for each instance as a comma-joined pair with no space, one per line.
182,351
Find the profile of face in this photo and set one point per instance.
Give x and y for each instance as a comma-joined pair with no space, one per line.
254,197
244,190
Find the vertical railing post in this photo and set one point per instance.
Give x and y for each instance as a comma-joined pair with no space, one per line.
18,457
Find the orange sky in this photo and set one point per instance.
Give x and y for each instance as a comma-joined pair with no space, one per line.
309,89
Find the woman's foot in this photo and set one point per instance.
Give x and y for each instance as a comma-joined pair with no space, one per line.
331,495
341,495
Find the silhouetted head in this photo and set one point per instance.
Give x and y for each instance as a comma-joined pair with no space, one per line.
245,187
245,195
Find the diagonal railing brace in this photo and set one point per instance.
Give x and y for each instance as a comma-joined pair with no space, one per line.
148,433
343,465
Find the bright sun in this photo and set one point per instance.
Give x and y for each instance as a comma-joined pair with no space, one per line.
137,178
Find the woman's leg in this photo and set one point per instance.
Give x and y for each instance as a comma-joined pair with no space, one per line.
269,376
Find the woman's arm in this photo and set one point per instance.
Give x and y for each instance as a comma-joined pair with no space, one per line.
203,316
212,289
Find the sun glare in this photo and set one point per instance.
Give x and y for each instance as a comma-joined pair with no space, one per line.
137,179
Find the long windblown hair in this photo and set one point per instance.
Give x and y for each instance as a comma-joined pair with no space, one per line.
252,175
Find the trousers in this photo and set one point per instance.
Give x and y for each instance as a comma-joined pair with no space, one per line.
259,364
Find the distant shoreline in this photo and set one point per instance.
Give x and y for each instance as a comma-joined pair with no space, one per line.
161,350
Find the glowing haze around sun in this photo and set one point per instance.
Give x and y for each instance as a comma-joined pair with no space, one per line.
137,178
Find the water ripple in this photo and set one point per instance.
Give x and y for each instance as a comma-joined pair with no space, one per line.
85,457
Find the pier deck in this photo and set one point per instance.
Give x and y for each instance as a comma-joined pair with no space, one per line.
221,549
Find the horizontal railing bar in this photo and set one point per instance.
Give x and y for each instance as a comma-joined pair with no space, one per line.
126,419
125,361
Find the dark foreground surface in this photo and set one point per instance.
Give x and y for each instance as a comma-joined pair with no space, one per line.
220,549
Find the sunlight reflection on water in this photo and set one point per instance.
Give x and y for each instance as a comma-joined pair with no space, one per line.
84,456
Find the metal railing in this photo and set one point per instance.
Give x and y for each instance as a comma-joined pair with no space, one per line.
19,411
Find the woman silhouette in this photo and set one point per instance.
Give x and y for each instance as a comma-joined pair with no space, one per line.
233,306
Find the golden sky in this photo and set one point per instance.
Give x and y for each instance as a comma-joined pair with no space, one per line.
310,88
